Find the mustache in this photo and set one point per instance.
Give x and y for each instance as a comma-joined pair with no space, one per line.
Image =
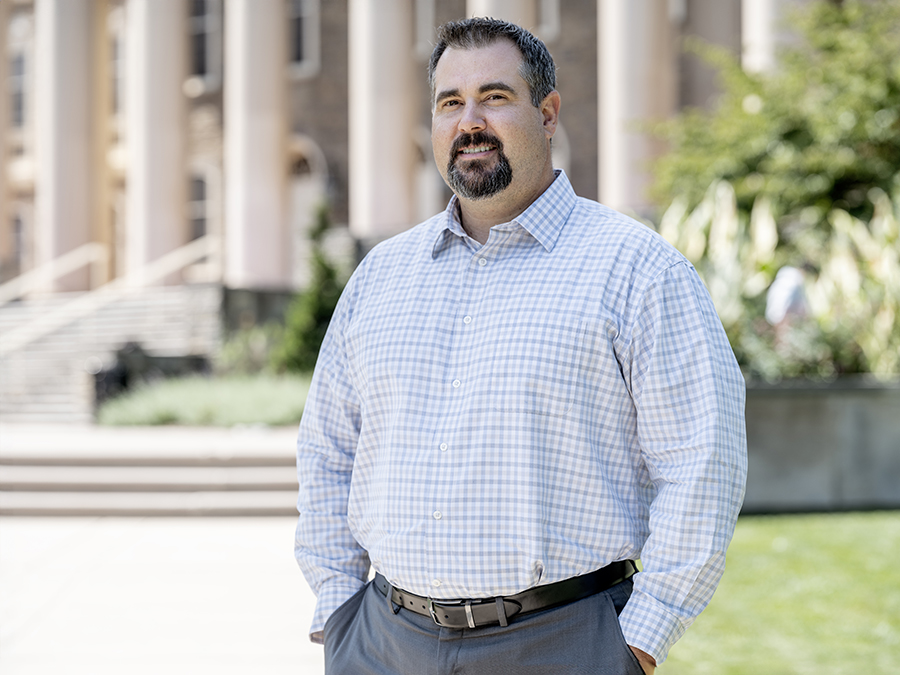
478,138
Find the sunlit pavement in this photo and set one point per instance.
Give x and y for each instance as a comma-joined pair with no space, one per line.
130,596
134,596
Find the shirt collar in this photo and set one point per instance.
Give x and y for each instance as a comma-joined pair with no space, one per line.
543,220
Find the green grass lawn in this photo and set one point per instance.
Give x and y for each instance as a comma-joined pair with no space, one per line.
807,594
205,401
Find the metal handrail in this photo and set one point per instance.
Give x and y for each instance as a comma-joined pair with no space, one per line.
133,282
41,276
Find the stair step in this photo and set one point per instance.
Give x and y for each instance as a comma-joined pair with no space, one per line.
165,321
201,457
41,418
85,470
269,503
146,479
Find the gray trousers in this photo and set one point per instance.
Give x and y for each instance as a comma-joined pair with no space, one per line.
365,637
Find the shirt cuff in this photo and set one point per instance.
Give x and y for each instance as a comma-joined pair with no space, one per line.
330,597
649,625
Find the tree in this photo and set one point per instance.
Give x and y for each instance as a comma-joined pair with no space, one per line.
795,171
817,134
309,314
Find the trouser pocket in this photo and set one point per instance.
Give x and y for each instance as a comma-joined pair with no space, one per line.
338,628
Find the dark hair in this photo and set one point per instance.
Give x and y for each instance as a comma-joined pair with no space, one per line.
538,69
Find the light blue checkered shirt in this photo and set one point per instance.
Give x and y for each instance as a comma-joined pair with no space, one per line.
484,419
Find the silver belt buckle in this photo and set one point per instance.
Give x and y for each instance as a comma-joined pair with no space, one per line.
467,604
431,611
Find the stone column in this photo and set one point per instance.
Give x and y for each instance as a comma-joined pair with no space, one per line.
758,35
257,246
155,124
6,235
382,124
63,156
636,84
520,12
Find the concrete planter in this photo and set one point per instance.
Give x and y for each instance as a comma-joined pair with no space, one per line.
817,447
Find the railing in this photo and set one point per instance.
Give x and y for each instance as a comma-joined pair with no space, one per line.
148,275
95,255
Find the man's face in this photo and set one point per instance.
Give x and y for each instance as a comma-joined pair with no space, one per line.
488,139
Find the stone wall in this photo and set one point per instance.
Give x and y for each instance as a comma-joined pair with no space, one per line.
825,447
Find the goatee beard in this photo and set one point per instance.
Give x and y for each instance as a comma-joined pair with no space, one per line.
476,180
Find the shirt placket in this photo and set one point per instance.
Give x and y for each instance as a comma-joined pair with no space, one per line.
453,437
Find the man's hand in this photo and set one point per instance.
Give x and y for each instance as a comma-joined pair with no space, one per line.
648,663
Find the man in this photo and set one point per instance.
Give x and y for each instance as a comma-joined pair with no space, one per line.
515,399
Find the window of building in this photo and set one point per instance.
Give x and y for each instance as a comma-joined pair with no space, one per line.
17,89
303,20
115,57
198,208
18,235
205,33
200,28
115,26
18,242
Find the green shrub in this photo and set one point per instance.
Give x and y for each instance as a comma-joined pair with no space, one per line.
206,401
309,314
249,350
851,320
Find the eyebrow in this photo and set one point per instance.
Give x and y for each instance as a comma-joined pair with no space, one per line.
495,86
488,86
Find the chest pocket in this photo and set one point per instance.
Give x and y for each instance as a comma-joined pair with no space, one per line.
535,368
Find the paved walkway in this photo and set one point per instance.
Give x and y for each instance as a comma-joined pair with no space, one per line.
151,595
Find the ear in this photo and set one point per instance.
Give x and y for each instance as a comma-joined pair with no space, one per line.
550,112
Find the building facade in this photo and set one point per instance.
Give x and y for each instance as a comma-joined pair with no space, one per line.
131,128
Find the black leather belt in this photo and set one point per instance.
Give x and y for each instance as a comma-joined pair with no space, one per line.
493,611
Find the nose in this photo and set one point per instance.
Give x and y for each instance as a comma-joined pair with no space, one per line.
472,119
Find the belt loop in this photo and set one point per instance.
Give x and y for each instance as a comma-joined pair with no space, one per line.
501,611
469,618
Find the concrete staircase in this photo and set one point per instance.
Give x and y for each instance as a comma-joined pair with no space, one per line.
81,470
49,380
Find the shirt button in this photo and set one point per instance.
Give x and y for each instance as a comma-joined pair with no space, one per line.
482,262
467,320
437,515
456,384
444,447
436,583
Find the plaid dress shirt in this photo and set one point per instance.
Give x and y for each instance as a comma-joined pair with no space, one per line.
484,419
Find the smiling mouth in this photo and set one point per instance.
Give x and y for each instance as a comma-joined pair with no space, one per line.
476,150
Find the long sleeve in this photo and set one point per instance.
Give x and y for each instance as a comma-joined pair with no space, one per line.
689,396
334,564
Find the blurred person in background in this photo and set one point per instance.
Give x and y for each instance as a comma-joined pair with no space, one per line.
516,400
